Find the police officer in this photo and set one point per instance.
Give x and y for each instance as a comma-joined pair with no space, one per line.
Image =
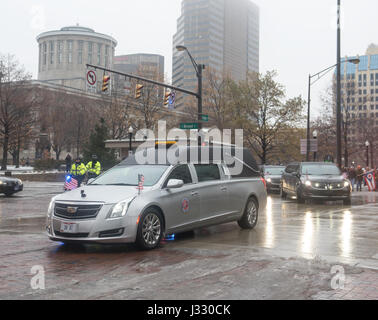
94,167
78,170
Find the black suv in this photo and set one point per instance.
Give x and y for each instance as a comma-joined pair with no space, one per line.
309,180
272,175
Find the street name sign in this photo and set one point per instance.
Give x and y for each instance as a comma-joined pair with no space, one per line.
188,126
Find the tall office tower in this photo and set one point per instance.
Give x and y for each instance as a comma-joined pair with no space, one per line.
145,65
359,105
222,34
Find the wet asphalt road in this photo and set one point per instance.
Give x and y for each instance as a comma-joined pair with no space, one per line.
289,255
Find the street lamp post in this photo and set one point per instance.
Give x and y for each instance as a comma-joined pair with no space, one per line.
310,77
198,68
131,130
338,90
367,144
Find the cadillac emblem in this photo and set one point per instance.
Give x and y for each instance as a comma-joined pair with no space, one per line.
72,210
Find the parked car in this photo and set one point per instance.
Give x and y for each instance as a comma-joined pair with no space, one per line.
272,175
10,186
315,181
175,198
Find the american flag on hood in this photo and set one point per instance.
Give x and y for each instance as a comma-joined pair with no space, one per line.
70,183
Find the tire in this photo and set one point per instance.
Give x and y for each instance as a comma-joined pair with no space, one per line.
9,194
150,230
250,215
300,198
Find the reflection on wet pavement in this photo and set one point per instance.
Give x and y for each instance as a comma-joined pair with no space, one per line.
347,234
330,230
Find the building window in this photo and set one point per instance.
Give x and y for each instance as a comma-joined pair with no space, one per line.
60,51
99,53
90,52
40,57
44,53
69,51
80,52
106,56
52,52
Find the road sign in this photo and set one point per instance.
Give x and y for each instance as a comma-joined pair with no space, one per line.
91,80
313,146
188,126
204,118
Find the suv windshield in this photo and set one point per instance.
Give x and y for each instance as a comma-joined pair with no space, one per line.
128,175
274,170
320,170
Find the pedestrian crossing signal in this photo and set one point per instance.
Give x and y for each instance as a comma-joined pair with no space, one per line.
105,83
138,91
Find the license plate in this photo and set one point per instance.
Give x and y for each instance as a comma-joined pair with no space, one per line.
16,188
68,227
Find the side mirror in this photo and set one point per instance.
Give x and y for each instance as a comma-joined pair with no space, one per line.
175,184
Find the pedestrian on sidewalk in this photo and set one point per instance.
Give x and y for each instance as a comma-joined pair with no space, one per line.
68,162
352,176
359,177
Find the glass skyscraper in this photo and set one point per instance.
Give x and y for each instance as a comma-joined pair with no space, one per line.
222,34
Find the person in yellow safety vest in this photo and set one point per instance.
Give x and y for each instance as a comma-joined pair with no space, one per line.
78,171
94,167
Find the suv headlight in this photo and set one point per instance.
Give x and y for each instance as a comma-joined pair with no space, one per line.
120,209
346,184
308,183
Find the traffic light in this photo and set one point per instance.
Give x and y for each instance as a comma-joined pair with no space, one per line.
105,83
167,95
138,91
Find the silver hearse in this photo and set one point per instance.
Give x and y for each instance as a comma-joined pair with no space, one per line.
142,203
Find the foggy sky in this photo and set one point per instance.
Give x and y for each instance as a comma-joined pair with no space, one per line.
297,37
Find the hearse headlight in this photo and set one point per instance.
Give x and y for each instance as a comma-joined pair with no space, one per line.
346,184
269,180
51,208
120,209
308,183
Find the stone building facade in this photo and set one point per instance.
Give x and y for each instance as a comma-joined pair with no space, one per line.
64,53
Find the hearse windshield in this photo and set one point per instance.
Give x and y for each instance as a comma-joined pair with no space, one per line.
129,175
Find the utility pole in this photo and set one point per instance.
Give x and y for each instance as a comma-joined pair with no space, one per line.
338,94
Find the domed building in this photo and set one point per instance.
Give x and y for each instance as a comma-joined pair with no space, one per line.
64,53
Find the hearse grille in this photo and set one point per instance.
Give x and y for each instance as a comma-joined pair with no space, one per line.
77,211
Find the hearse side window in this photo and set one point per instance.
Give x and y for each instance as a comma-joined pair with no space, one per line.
181,173
207,172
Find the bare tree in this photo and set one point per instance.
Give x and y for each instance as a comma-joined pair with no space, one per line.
16,102
261,110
